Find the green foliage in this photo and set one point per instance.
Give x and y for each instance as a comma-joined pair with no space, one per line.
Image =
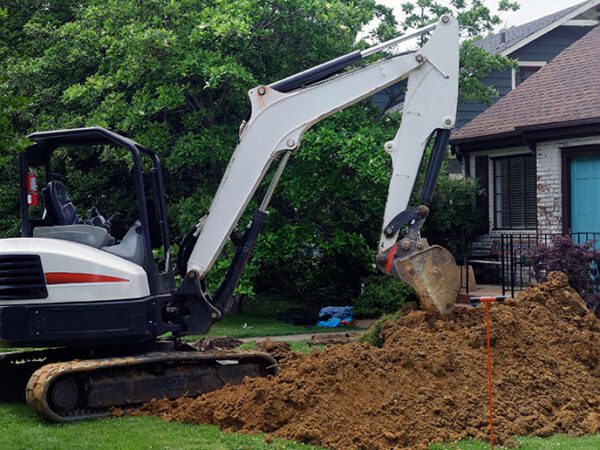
373,334
10,144
476,63
174,75
326,217
382,295
455,220
474,18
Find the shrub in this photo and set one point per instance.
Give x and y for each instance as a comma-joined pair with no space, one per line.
373,334
382,295
577,261
456,220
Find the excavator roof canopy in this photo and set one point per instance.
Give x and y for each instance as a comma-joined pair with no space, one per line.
48,141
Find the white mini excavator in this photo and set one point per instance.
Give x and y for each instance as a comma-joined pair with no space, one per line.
92,309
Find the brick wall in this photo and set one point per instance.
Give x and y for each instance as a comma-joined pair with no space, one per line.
549,187
549,181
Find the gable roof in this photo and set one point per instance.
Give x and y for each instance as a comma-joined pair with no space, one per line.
565,91
513,38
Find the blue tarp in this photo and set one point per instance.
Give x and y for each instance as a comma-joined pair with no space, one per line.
333,316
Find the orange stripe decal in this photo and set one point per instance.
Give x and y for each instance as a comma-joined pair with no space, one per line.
76,278
390,259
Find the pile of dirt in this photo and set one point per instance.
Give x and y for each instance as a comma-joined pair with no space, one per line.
216,343
428,381
280,351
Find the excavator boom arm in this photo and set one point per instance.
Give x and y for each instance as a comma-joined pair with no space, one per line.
279,120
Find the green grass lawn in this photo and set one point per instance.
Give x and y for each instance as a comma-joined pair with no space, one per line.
531,443
248,325
22,429
296,346
258,319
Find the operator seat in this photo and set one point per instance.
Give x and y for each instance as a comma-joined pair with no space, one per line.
59,208
61,214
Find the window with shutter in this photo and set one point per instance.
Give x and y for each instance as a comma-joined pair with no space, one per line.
515,192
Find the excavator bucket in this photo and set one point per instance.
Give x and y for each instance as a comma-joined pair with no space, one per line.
433,274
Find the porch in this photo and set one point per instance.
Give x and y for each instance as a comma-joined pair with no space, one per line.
503,263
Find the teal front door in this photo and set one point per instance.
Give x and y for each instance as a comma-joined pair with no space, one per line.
585,195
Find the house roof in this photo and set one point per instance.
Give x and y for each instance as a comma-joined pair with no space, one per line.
565,91
513,38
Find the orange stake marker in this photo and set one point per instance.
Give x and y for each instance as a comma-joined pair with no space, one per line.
474,302
489,371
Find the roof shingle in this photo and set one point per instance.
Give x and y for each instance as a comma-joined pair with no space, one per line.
565,90
498,42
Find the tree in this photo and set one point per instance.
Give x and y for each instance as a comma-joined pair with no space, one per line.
475,18
10,144
173,75
455,220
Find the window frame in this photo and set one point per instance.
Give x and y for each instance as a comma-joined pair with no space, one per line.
539,64
496,210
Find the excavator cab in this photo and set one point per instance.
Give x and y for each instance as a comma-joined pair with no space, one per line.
62,219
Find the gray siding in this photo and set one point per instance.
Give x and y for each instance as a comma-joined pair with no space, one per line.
467,111
549,45
382,99
544,48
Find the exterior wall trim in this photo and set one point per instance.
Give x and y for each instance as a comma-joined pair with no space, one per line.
563,20
529,135
581,23
513,71
567,154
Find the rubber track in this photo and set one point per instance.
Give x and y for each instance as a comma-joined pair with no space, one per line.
41,380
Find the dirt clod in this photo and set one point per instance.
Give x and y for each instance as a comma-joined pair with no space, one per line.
332,339
427,382
280,351
216,343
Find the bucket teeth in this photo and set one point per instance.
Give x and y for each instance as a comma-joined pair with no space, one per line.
433,274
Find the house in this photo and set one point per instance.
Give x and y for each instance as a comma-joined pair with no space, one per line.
532,45
537,150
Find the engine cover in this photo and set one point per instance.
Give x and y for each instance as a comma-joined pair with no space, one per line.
72,272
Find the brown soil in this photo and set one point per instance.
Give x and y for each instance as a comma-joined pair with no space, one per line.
330,339
280,351
216,343
428,381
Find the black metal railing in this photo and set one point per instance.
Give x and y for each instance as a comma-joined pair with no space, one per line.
509,258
